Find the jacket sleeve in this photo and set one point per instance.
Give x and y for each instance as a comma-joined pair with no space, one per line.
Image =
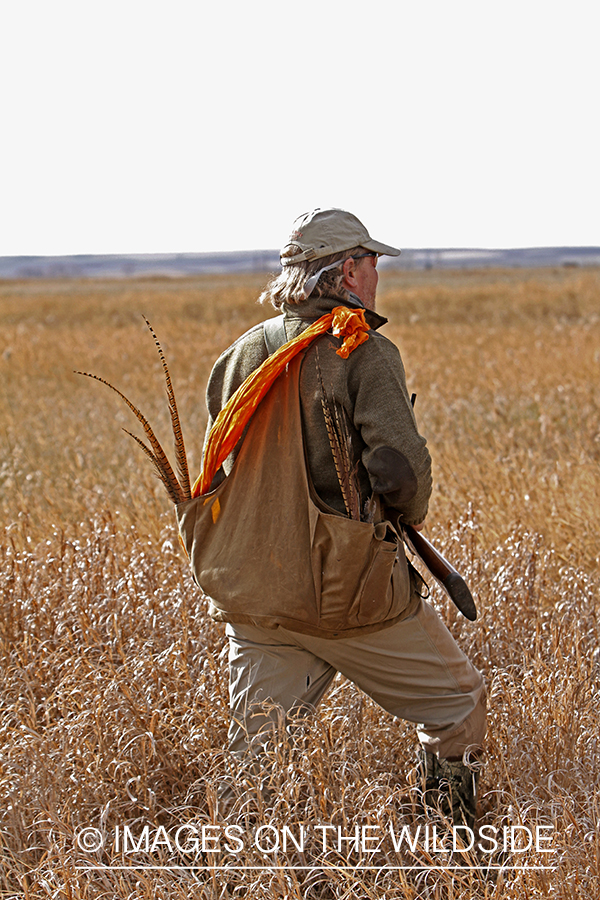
395,455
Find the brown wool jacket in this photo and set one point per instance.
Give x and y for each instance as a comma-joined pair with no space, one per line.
369,386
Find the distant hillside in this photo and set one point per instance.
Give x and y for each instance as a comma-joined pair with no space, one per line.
184,264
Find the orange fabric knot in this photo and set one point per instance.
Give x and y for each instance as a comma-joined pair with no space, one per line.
350,323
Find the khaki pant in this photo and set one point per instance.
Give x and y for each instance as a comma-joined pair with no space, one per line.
414,670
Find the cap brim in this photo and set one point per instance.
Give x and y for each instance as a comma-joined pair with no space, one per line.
383,249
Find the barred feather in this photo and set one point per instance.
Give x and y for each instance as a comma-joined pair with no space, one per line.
169,486
161,462
350,472
341,449
180,454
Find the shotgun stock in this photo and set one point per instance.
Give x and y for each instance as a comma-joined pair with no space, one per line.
442,571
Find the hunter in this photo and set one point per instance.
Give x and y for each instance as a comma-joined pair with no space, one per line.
341,404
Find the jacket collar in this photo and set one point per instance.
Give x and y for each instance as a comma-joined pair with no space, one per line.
313,309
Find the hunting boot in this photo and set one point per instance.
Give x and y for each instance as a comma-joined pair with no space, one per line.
449,787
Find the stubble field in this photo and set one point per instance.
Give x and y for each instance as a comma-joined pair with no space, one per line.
113,691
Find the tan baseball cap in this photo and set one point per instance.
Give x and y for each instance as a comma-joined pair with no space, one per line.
325,231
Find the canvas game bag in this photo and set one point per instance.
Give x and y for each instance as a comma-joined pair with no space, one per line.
267,551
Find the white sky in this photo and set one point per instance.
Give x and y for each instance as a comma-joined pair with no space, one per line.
132,126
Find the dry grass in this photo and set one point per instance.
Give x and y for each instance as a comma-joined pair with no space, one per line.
114,683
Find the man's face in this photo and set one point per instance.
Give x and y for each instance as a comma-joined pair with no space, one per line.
366,276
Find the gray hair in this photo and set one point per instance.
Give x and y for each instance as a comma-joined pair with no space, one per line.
288,286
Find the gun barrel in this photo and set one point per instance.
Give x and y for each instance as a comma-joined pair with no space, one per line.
443,571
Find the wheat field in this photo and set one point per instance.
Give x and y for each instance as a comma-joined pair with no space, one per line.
114,680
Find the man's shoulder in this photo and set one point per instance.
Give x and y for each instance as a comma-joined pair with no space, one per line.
235,363
249,338
375,364
377,347
250,343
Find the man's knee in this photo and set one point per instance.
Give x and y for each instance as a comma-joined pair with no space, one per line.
468,734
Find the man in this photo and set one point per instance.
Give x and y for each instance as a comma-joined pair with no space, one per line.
403,656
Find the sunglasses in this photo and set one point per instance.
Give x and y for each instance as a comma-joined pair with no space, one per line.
363,255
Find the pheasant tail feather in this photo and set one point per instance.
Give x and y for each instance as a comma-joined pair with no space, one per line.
339,441
350,472
160,458
180,454
171,486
